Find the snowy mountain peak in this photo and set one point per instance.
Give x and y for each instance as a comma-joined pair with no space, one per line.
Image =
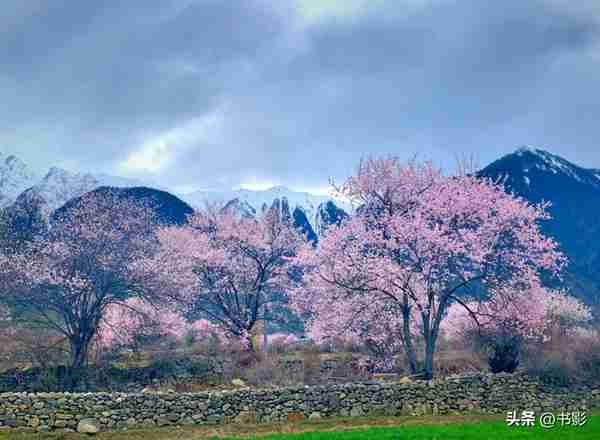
62,176
13,161
15,177
574,194
557,165
328,214
260,200
525,149
530,167
239,207
56,171
59,186
546,161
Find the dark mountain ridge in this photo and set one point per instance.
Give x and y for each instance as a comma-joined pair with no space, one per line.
574,193
169,209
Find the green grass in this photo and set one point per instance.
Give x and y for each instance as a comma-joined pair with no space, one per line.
474,427
475,431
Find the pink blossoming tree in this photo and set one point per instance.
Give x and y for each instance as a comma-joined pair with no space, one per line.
419,242
534,315
124,323
224,267
503,323
68,279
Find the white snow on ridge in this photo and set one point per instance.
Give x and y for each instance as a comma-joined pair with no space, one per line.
18,184
525,149
59,186
15,177
257,198
121,182
552,163
56,187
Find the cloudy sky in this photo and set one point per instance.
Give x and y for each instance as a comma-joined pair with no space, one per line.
197,93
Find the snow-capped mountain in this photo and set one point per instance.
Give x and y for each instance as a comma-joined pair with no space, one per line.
122,182
15,177
261,199
529,164
328,214
574,194
59,186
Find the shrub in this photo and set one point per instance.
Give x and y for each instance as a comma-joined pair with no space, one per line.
501,345
587,354
504,356
573,356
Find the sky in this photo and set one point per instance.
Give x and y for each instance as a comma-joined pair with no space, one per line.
213,93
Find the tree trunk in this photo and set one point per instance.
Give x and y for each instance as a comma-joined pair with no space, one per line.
431,332
265,339
430,342
409,349
79,352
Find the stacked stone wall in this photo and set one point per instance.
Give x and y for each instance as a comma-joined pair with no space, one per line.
490,394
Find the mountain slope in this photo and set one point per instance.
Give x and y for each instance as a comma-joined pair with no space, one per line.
169,209
15,177
574,193
259,200
56,188
59,186
328,214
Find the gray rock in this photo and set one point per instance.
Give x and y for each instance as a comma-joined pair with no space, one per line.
238,383
315,416
88,426
356,411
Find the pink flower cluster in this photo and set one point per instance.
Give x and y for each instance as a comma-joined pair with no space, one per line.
123,322
533,314
282,339
418,242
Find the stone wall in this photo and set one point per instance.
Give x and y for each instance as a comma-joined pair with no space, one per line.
182,370
106,411
109,378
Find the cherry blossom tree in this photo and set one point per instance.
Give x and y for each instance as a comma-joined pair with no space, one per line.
66,280
21,223
503,323
125,322
534,315
418,242
227,268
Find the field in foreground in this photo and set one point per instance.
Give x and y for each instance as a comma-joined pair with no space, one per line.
391,428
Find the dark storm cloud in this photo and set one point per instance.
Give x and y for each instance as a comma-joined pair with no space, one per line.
85,82
199,92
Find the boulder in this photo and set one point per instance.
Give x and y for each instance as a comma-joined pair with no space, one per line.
238,383
88,426
246,417
315,416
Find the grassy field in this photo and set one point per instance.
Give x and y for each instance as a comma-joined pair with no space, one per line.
393,428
